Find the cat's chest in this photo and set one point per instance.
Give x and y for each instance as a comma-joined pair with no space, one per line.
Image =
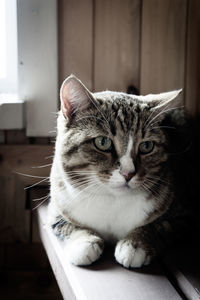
112,217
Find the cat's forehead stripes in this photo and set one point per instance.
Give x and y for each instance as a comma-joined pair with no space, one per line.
126,160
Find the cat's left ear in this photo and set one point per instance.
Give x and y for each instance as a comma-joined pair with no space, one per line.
74,97
165,100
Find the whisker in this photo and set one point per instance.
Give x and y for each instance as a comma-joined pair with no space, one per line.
88,117
38,199
82,184
85,189
44,166
157,179
98,110
30,186
162,112
29,175
169,127
153,111
81,171
40,204
151,189
48,157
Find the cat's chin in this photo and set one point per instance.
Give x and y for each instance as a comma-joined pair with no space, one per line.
123,189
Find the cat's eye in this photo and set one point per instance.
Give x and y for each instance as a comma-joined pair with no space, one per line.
103,143
146,147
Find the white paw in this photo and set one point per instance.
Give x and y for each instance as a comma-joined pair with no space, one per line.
84,251
128,256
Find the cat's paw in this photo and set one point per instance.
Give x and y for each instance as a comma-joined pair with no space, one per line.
129,256
84,250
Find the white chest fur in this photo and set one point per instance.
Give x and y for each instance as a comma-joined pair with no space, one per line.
111,216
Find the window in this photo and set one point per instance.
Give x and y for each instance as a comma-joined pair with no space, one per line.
28,64
8,46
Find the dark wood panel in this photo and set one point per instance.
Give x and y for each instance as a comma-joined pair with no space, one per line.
29,257
116,44
163,45
31,285
16,137
75,39
15,216
37,196
2,256
193,58
2,137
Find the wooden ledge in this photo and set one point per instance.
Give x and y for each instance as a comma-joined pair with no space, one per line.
105,279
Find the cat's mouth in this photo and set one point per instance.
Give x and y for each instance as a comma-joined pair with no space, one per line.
122,187
126,187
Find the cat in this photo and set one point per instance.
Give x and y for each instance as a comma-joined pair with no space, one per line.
116,174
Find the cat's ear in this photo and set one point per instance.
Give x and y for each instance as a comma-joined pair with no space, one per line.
74,97
168,100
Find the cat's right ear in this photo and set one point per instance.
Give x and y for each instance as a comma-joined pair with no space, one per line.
74,97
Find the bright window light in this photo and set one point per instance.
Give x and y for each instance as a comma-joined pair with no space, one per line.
8,47
2,40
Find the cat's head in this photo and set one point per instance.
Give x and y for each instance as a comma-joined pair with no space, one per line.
114,142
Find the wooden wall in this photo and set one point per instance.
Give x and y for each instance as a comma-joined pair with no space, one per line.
109,44
151,44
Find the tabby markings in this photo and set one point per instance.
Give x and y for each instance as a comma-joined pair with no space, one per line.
126,160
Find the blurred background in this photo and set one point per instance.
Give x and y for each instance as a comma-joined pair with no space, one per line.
138,46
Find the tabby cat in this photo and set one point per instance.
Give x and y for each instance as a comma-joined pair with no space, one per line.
119,174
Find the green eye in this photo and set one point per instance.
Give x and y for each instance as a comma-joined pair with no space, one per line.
103,143
146,147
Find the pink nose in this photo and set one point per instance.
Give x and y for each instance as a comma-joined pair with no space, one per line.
127,175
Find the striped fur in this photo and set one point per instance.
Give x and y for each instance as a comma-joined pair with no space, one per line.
91,201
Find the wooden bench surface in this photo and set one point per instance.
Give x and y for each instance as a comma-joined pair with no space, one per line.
107,280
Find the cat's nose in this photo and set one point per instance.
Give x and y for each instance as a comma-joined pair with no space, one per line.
127,175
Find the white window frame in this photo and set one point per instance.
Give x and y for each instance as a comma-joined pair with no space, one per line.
38,64
8,49
37,69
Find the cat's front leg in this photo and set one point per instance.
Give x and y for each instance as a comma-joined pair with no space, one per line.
140,246
130,255
82,246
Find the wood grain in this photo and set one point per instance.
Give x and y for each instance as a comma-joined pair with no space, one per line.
193,58
2,136
31,285
116,44
75,39
36,193
29,257
16,137
163,45
15,218
104,280
2,256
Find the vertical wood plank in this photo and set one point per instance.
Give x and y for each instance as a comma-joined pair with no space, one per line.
163,45
14,214
38,196
116,45
193,58
29,257
75,39
16,137
2,256
15,220
2,136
